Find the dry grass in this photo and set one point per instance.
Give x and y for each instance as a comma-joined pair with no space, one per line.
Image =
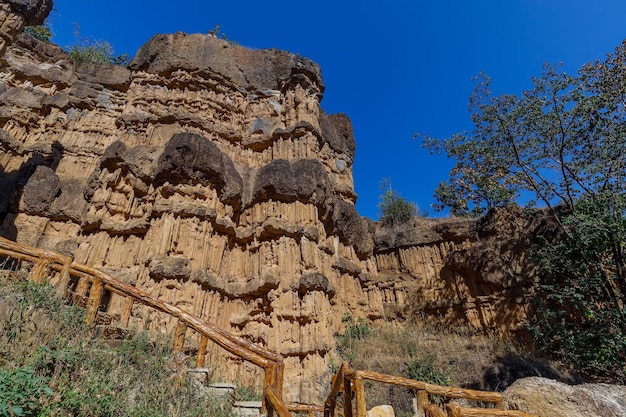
445,356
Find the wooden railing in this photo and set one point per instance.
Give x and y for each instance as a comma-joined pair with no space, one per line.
350,384
92,284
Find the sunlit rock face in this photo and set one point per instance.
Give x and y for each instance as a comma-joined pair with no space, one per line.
208,175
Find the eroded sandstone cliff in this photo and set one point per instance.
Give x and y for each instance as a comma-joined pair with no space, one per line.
209,175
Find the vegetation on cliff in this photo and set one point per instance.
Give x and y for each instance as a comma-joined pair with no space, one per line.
563,146
51,366
83,49
394,209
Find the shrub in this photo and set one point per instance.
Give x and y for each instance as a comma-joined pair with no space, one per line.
39,32
20,392
394,209
98,51
355,331
424,369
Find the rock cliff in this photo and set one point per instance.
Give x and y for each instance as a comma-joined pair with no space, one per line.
209,175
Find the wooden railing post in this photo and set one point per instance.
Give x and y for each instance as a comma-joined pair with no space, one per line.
93,303
359,395
201,351
432,410
453,410
127,308
40,269
64,278
269,381
422,399
500,404
347,396
179,336
82,286
278,382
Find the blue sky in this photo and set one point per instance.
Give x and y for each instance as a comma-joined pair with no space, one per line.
394,67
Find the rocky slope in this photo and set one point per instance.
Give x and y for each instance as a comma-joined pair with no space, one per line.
209,175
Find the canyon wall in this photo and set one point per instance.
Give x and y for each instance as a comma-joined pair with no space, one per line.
208,174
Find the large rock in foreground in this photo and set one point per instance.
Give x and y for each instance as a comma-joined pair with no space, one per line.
549,398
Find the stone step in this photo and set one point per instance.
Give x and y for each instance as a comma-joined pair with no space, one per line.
247,408
222,389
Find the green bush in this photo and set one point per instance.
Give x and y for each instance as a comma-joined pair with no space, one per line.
20,392
98,51
39,32
394,210
425,369
355,331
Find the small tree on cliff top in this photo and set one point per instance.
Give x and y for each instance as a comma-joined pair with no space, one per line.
564,143
394,209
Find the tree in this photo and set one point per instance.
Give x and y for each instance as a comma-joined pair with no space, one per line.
563,144
98,51
394,209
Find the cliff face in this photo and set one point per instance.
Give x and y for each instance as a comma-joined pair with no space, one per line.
209,175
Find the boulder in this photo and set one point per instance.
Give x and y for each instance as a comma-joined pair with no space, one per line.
381,411
34,12
549,398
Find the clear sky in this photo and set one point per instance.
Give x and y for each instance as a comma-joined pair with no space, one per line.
394,67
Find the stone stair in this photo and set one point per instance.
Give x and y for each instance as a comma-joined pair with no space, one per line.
226,391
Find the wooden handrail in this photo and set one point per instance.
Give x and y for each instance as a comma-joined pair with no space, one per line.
311,409
455,410
348,379
346,382
271,362
450,392
276,403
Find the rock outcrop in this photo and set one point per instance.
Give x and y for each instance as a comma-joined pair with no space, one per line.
549,398
209,175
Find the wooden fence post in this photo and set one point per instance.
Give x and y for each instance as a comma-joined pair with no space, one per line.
82,286
179,336
453,410
278,383
422,399
347,396
432,410
201,351
500,404
39,270
268,382
64,278
359,388
127,308
93,303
